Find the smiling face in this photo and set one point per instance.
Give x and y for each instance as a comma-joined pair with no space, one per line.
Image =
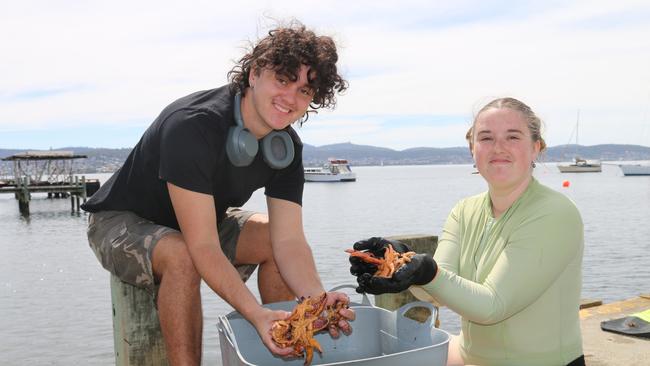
274,101
503,148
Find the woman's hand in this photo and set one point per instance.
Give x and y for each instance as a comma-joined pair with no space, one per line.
419,271
377,247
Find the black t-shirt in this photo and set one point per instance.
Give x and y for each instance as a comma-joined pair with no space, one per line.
185,146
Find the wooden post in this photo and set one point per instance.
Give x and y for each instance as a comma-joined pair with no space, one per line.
84,192
23,206
23,196
136,329
75,193
420,244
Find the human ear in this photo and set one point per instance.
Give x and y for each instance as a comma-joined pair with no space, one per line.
537,146
252,75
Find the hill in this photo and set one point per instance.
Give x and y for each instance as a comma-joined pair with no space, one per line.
108,160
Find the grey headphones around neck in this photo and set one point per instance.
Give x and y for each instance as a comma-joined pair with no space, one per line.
242,146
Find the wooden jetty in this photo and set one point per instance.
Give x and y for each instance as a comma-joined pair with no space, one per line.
46,172
610,349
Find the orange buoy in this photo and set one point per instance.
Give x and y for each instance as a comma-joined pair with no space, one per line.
566,184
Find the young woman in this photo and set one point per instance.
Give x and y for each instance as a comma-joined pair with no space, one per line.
508,260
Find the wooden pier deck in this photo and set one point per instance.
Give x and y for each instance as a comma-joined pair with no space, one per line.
58,188
23,189
46,172
603,348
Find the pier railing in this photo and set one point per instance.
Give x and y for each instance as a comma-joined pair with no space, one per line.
23,187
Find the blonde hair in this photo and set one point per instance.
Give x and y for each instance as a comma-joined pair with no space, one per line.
532,121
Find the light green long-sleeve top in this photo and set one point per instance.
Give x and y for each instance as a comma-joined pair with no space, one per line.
514,280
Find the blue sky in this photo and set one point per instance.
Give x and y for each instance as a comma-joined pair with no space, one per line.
96,73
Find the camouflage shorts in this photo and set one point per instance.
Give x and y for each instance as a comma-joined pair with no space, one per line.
124,243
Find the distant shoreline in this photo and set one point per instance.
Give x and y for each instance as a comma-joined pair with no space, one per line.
613,163
102,160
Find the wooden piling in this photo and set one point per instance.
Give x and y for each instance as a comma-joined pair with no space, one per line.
84,189
419,244
23,207
23,195
136,329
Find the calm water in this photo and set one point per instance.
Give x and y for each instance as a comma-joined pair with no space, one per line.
55,306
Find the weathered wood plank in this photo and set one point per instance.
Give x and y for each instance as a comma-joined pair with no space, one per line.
589,303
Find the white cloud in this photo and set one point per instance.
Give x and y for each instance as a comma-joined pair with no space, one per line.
372,131
121,62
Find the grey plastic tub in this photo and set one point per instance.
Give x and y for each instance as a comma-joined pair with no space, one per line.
379,337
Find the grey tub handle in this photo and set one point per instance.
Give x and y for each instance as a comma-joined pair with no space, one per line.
411,331
365,299
224,326
402,310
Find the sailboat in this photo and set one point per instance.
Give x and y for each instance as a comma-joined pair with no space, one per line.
580,165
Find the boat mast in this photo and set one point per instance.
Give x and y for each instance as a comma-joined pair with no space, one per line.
576,156
577,129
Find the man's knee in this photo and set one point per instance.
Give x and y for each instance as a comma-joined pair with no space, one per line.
258,227
254,244
172,257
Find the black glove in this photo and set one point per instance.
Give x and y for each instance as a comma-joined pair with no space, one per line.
377,247
419,271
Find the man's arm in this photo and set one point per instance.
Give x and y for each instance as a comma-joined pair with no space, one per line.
295,260
290,249
196,216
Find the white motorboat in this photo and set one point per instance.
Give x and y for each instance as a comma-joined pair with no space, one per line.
634,169
335,170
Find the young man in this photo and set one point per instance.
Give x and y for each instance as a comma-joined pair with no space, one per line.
169,218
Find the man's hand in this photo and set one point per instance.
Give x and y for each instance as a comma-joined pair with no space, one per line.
263,320
377,247
419,271
346,314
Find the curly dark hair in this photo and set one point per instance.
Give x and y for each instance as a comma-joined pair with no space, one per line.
284,51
